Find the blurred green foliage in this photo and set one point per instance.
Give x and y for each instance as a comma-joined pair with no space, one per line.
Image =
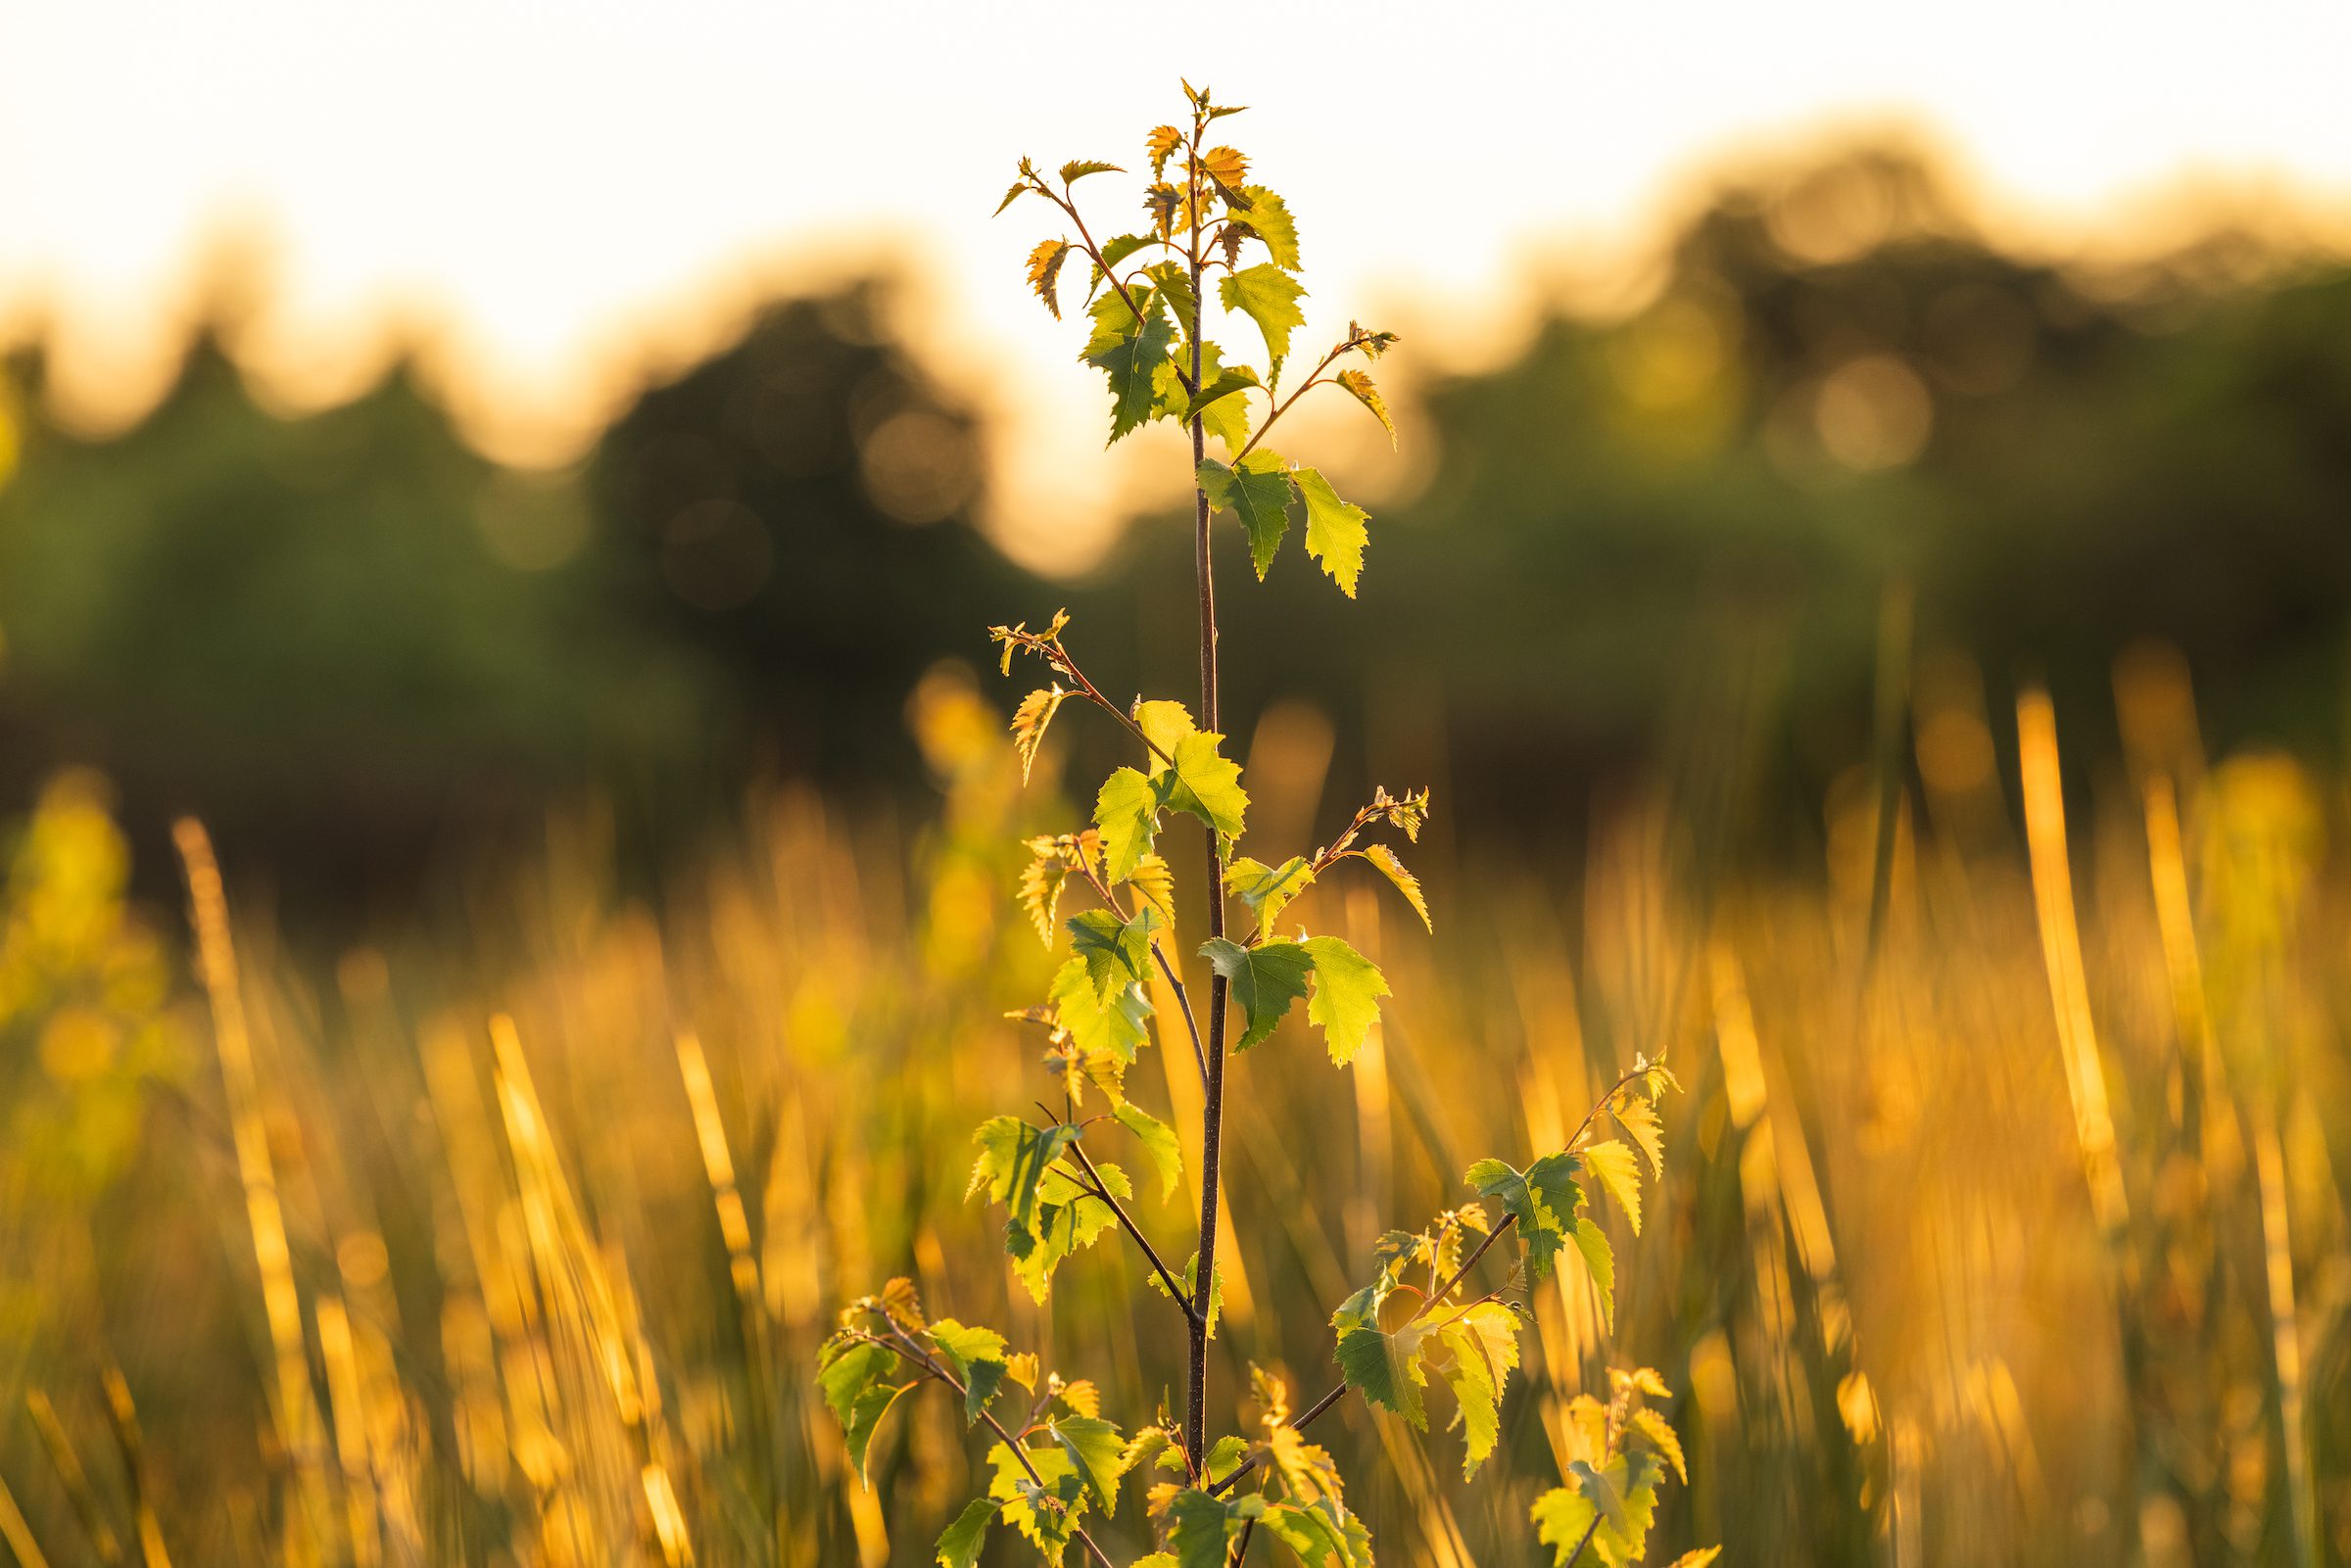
342,636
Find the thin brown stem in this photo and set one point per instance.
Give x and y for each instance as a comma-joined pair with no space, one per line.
1212,1116
1167,1276
1313,380
1184,1000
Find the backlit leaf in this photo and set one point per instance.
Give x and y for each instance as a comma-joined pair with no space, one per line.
1661,1437
1126,813
1611,1164
1155,884
1229,167
1543,1199
1047,1510
959,1546
1268,297
1385,1368
860,1381
1229,383
1161,144
976,1355
1258,492
1096,1022
1205,1525
1098,1451
1160,1143
1164,722
1269,219
1075,171
1335,535
1019,188
1599,1260
1116,953
1129,360
1206,784
1013,1159
1044,267
1348,987
1360,383
1407,883
1029,722
1265,980
1638,1119
1268,889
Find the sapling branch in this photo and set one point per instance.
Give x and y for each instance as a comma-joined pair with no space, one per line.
1101,1190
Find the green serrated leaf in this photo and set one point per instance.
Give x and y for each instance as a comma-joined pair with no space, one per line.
1098,1450
1046,1510
1599,1259
1544,1200
1269,219
1019,188
1117,952
1077,169
1483,1342
959,1546
1226,384
1160,1143
1348,987
1265,980
1258,492
1611,1164
1132,359
1204,1525
1114,1025
858,1380
1013,1158
1267,295
1385,1368
1206,784
1335,535
1268,890
976,1357
1127,813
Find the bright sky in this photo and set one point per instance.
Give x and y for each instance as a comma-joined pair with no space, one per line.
549,189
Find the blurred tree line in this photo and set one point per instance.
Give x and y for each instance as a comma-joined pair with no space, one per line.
347,639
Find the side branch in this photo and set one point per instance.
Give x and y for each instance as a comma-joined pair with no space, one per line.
1167,1275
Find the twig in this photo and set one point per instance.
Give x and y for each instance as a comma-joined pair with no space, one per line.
1167,1276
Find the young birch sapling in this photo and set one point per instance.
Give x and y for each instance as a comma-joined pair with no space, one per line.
1059,1465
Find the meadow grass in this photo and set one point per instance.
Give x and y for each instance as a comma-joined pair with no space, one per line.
2004,1221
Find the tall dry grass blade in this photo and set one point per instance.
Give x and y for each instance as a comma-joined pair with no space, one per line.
290,1390
18,1534
123,1418
87,1509
2069,990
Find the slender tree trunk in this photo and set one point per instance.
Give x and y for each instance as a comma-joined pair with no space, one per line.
1212,1116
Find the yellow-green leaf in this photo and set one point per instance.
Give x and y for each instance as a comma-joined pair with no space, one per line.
1206,784
1126,813
1348,987
1611,1162
1078,169
1130,359
1407,883
1268,889
959,1546
1258,492
1267,295
1226,384
1269,219
1357,382
1335,535
1029,722
1265,980
1159,1142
